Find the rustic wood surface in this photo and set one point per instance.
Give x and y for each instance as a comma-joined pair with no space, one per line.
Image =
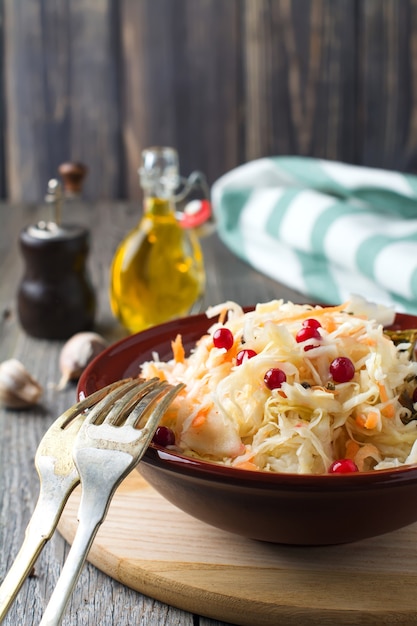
98,599
223,82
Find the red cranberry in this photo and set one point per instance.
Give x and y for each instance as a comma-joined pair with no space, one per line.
342,369
311,323
164,436
307,332
243,355
274,378
223,338
343,466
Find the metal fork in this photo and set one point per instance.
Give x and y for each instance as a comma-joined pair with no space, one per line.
108,446
58,477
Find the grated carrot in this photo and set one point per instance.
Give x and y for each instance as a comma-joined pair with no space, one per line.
328,324
198,420
352,448
360,419
154,371
201,417
388,410
383,392
312,313
234,350
178,349
370,420
367,341
230,354
247,465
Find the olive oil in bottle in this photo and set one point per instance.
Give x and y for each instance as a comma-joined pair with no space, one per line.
157,273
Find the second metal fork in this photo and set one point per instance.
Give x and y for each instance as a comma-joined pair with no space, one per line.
108,446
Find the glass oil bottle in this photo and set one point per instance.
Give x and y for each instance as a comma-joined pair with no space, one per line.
157,273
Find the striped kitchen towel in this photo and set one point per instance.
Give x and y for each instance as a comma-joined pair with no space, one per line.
324,228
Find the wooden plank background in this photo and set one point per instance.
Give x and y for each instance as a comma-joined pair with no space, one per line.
223,81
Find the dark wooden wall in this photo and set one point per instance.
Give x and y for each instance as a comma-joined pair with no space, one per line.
224,81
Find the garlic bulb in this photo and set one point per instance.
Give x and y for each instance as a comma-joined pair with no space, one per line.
18,389
77,353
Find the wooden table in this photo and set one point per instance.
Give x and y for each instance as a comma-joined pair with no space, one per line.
98,599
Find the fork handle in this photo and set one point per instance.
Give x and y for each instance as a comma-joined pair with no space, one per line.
30,549
39,530
70,573
92,511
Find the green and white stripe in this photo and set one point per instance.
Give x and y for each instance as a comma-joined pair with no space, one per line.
324,228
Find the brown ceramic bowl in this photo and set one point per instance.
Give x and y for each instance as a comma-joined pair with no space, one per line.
280,508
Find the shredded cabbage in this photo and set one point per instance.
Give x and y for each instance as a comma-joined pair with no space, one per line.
227,414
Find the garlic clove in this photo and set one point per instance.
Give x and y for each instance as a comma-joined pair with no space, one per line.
77,353
18,388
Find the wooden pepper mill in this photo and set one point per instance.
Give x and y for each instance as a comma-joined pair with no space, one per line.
55,297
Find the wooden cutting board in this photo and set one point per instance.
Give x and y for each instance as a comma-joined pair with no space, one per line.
149,545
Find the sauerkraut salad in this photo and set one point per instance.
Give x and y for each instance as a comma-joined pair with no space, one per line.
294,388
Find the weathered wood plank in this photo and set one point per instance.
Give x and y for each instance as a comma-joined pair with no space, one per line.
387,84
181,83
61,94
300,77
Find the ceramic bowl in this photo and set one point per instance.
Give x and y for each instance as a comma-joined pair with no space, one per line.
279,508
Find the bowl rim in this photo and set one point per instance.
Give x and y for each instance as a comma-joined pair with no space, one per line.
155,454
180,463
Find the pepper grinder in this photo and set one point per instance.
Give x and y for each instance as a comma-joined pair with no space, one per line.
55,297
